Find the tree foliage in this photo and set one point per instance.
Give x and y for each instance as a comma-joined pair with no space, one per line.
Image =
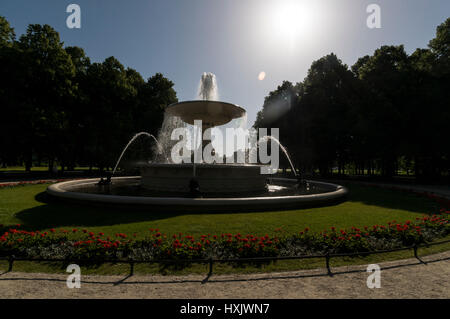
58,105
389,111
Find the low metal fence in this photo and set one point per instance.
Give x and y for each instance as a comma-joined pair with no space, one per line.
211,261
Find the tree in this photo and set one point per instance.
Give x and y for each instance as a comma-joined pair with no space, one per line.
324,108
276,104
75,135
7,34
8,93
49,72
154,96
440,46
386,77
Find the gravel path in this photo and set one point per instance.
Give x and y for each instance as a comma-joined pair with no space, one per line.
399,279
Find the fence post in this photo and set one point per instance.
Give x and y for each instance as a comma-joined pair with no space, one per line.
327,260
131,268
11,261
210,266
415,251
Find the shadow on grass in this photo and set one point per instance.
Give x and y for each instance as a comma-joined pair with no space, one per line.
392,199
55,213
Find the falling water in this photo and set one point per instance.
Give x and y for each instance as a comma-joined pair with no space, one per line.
208,91
265,139
160,149
164,136
207,88
242,121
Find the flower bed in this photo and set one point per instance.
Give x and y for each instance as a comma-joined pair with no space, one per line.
76,244
25,183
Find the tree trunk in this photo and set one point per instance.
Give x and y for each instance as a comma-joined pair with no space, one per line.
28,161
50,165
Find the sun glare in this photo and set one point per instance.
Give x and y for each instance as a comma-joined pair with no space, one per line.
292,20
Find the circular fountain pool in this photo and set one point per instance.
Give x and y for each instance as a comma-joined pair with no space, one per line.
281,193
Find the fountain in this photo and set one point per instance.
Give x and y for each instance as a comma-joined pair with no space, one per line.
160,150
200,186
212,178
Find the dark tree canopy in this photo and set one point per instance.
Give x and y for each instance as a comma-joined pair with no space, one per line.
58,105
388,112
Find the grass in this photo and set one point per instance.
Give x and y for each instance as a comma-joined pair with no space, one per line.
29,206
21,169
366,206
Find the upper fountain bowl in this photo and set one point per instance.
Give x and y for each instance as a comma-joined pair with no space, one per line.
212,113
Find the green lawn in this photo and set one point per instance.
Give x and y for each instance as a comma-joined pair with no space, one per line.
21,169
29,206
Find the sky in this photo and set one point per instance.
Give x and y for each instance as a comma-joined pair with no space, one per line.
235,39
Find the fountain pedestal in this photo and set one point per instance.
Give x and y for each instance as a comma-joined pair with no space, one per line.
212,178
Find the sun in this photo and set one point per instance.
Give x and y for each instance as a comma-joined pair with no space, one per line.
286,18
292,20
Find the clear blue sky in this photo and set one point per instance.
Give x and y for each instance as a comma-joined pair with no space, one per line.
235,39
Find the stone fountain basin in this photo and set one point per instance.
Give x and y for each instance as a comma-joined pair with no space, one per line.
212,178
212,113
64,191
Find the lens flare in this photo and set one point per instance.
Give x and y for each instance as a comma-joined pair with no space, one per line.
261,75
